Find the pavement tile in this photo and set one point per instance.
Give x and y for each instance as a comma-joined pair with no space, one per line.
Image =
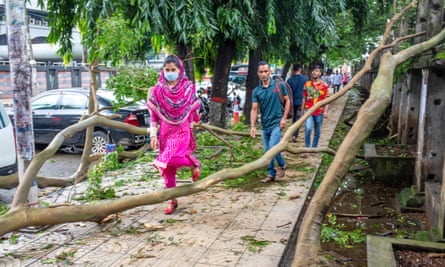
56,255
10,261
255,260
235,232
234,244
119,245
187,255
249,219
200,236
99,258
214,257
134,261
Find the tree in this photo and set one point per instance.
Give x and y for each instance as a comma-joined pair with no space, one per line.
308,243
21,83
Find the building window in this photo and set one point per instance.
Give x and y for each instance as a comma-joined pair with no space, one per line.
39,40
3,39
51,80
76,78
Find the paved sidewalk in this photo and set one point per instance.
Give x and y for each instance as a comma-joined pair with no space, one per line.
217,227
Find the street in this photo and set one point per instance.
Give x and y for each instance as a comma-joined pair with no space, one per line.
60,165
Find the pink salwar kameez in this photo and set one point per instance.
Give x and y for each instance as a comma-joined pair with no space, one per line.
176,145
174,109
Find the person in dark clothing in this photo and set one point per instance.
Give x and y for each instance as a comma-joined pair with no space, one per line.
296,82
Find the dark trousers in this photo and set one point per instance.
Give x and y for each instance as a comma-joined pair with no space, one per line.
296,117
336,88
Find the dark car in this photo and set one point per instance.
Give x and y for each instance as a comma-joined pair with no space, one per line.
55,110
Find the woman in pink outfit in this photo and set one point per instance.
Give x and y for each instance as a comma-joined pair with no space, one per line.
174,106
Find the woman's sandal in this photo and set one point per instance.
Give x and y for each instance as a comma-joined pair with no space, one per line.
196,172
172,205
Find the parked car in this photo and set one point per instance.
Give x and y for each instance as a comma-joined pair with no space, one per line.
237,78
55,110
8,158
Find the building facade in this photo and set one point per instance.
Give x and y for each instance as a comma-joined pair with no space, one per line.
49,70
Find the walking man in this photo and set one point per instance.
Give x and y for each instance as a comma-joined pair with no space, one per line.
315,90
273,117
336,81
296,82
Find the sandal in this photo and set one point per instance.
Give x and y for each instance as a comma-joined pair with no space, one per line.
196,172
268,179
172,205
281,172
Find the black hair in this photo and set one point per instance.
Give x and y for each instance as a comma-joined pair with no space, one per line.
262,63
316,66
172,59
297,67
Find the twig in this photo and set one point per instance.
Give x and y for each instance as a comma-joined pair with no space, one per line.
282,225
219,150
222,140
221,130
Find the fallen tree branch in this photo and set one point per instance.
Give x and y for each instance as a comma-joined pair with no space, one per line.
299,150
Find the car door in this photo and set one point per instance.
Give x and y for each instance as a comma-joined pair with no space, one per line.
43,110
72,107
7,144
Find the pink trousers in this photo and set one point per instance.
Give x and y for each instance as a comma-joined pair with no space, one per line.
176,163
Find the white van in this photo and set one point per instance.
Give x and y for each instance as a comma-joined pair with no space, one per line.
8,158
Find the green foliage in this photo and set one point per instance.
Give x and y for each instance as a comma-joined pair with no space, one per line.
332,231
3,208
216,155
440,55
118,41
132,82
14,239
64,258
326,161
401,71
95,191
255,246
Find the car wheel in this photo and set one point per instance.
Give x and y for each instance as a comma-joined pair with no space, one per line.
99,142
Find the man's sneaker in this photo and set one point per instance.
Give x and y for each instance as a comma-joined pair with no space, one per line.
281,172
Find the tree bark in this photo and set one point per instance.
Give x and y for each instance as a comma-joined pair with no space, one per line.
252,80
186,54
218,100
21,84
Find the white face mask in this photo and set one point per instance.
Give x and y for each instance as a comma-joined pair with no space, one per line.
171,76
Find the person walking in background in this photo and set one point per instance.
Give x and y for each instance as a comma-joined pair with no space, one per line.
296,82
345,79
336,81
174,106
315,90
273,117
325,78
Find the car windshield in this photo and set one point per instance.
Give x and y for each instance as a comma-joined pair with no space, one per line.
109,97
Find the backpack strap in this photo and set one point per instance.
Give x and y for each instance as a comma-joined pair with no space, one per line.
278,84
